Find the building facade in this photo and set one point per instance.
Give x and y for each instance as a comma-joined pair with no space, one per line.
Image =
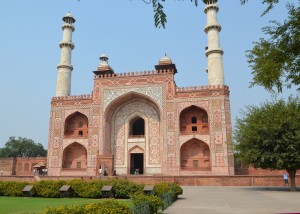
141,122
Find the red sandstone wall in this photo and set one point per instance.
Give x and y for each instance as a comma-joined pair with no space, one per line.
7,165
24,166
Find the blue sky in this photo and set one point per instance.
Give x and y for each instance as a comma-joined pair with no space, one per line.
124,30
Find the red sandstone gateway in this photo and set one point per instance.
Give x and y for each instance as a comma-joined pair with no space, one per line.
141,122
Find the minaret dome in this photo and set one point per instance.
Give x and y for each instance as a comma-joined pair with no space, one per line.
68,18
165,60
103,67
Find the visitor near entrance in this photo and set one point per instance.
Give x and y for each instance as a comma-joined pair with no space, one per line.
286,179
100,171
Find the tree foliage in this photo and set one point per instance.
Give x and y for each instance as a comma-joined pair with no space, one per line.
22,147
275,61
160,17
268,136
270,4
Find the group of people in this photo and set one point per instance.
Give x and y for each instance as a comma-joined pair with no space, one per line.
41,172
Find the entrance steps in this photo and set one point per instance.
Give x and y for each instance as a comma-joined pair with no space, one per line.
37,178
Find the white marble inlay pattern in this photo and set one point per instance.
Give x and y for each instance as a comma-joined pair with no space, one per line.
155,92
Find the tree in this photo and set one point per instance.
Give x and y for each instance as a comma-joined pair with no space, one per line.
22,147
275,61
268,136
160,17
270,4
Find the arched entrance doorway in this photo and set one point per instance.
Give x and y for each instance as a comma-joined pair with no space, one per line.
136,162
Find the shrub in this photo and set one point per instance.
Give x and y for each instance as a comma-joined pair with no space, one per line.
162,188
74,209
176,190
86,189
124,188
48,189
12,188
109,206
155,201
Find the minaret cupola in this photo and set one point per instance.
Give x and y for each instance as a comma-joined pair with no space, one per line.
104,67
214,53
64,68
165,63
69,19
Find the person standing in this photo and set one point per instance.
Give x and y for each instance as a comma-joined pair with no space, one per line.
100,172
286,179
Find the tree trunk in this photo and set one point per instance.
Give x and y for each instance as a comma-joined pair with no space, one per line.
292,175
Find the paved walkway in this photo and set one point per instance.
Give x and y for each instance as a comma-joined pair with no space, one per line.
239,200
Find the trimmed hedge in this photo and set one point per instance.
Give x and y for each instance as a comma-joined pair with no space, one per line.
123,188
174,189
48,189
108,206
84,189
12,188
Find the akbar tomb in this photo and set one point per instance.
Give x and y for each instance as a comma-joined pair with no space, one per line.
140,122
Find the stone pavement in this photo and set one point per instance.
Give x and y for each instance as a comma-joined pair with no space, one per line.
239,200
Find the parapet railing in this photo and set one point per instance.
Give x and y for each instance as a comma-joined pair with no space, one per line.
83,96
139,73
198,88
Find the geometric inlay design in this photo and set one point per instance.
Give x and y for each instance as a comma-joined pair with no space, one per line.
155,92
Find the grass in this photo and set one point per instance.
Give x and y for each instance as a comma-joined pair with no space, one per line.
19,205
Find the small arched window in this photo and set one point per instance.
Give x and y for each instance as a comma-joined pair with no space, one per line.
194,120
137,127
76,126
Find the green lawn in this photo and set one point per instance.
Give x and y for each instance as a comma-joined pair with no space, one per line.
19,205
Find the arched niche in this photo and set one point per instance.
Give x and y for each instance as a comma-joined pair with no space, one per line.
76,126
74,157
137,127
195,155
20,167
26,167
193,120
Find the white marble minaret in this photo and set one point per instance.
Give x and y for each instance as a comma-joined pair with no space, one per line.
213,51
63,85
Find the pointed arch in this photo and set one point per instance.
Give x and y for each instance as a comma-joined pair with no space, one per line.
110,109
195,155
193,120
74,157
76,126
